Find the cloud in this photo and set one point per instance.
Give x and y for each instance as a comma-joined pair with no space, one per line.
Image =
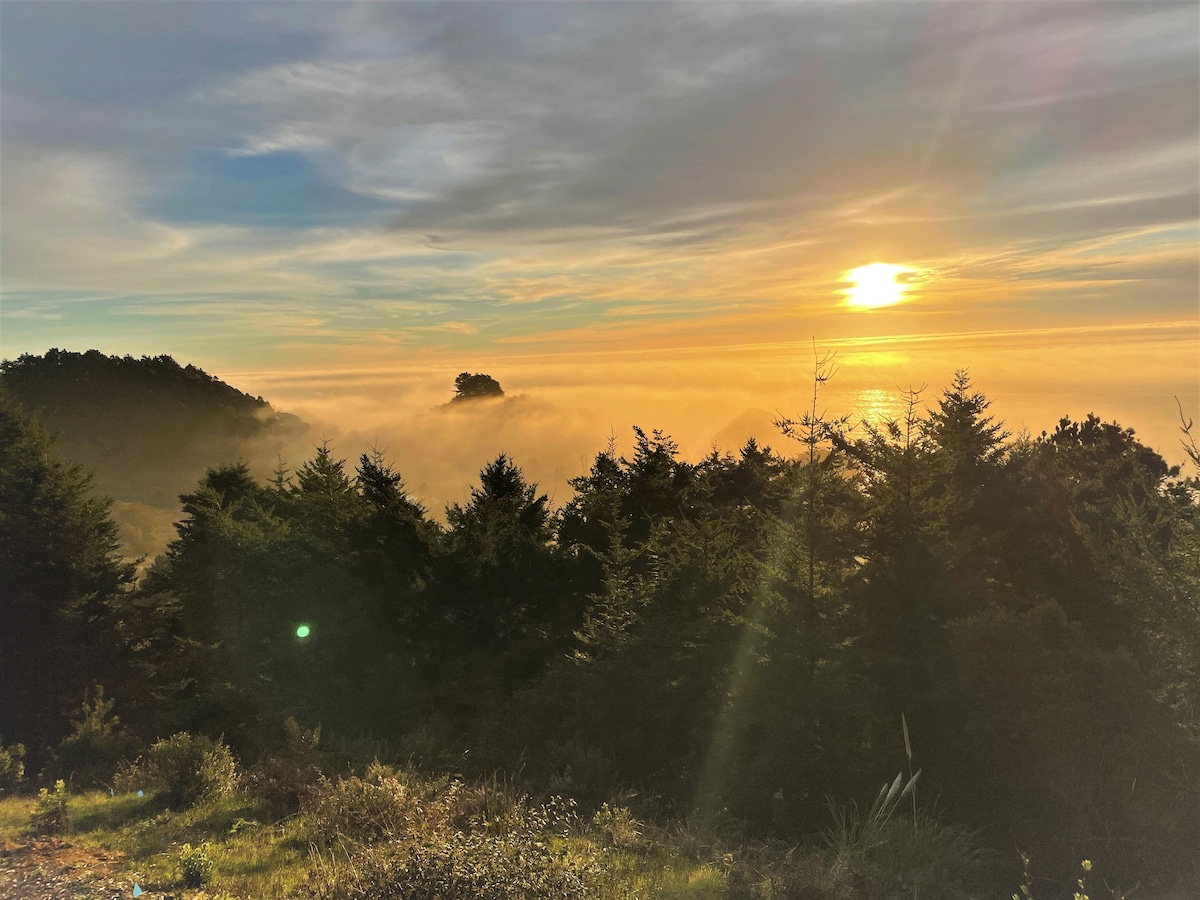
562,409
469,176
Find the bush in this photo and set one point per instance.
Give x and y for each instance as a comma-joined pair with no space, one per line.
96,744
49,814
195,865
475,864
285,778
521,854
618,825
184,769
12,767
391,835
372,808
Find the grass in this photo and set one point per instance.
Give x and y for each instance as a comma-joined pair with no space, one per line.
619,857
251,860
256,859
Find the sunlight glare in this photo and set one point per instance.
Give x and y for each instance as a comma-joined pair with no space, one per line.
875,285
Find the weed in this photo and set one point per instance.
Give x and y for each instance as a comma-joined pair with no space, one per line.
195,865
618,825
50,814
905,858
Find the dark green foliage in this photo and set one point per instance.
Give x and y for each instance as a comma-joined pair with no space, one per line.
12,767
90,754
59,570
1079,755
145,427
184,769
253,563
476,387
501,588
50,814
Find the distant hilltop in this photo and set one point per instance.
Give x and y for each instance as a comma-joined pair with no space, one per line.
146,427
476,386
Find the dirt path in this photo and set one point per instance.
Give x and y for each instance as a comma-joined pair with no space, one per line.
52,869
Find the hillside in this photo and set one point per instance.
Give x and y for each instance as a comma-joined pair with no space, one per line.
146,428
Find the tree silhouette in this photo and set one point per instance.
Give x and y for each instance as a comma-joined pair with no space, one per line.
60,567
476,387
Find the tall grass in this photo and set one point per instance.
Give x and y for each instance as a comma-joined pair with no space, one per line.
899,857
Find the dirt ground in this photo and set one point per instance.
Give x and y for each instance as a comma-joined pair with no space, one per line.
54,869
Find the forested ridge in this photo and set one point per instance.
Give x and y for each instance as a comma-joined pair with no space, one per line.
735,639
140,425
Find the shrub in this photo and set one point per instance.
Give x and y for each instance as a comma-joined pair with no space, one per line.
372,808
12,767
96,744
475,864
619,826
520,855
391,835
49,814
184,769
283,779
195,865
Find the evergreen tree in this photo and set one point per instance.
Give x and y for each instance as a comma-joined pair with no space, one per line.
501,584
504,516
60,568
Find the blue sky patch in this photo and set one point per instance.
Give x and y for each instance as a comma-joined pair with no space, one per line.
279,190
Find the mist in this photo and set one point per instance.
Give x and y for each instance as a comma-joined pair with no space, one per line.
560,410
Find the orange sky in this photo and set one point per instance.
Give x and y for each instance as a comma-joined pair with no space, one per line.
628,213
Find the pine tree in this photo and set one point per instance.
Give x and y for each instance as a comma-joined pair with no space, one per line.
60,567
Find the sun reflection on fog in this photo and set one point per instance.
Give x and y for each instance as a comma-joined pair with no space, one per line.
875,405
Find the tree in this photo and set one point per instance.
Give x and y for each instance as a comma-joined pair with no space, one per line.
392,550
475,387
60,567
500,586
962,430
657,483
325,501
825,477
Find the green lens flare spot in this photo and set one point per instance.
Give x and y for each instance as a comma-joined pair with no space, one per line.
302,631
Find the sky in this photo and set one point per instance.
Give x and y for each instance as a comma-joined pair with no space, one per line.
628,213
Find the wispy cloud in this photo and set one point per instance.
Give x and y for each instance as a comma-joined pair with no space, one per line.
468,178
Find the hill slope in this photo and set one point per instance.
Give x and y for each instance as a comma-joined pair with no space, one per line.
146,428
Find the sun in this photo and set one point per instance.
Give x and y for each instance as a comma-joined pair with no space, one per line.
875,285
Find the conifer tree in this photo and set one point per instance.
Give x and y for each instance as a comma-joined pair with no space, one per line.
60,568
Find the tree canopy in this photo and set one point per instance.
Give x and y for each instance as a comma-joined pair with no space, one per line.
476,386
